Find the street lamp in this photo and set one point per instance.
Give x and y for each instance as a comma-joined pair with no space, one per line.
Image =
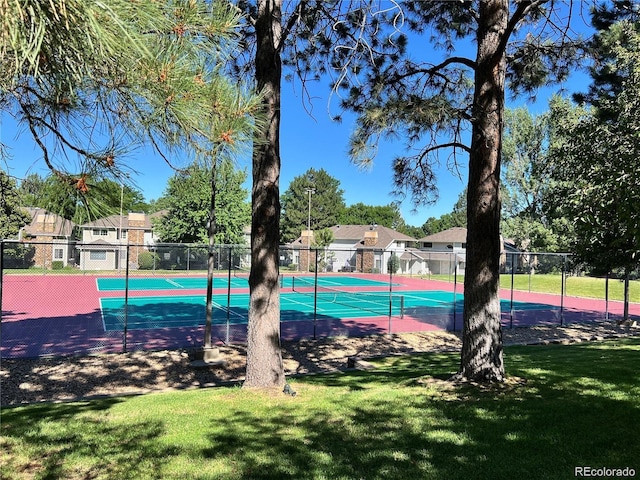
120,227
309,192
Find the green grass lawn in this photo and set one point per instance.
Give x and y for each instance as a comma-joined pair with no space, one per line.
589,287
565,407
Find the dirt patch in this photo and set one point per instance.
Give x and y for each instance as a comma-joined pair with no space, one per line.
75,378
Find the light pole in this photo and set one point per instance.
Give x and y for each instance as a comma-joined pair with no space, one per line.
120,228
309,192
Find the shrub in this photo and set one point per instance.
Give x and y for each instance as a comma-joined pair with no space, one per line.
147,260
57,265
393,264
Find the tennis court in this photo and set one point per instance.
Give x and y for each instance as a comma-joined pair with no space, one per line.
238,280
167,283
189,310
72,314
303,305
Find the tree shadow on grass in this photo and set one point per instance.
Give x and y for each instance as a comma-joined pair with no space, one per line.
378,424
72,441
578,407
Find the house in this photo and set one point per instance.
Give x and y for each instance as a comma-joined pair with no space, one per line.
52,238
445,253
103,241
361,248
441,253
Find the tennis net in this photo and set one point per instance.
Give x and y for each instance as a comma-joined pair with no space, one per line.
241,272
380,303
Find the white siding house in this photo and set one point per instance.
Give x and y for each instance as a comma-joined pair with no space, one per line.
444,252
361,248
103,241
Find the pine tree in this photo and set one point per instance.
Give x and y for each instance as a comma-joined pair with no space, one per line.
91,81
362,47
448,105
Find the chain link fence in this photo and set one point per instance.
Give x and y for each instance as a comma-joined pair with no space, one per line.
72,298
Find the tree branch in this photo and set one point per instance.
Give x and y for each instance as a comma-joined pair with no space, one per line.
441,146
435,69
524,7
296,15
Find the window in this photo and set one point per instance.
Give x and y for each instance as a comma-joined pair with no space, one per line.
428,245
58,253
100,232
464,245
98,255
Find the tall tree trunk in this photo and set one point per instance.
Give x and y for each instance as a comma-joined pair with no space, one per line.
481,358
264,356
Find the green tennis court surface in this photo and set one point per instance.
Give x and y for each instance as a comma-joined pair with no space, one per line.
440,299
167,283
187,311
185,283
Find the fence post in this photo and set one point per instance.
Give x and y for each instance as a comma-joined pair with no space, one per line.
562,288
390,265
228,296
513,256
126,301
606,297
1,277
315,298
455,288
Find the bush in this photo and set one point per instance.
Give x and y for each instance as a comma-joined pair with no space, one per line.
393,264
147,260
57,265
19,256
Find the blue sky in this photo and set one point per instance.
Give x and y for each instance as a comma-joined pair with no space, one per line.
306,142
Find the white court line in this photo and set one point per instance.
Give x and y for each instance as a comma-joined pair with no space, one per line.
224,309
433,302
171,282
334,311
306,304
104,324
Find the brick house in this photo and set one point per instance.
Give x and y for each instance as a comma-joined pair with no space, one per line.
51,236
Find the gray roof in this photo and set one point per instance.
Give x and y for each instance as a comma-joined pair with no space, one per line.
451,235
356,234
386,235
